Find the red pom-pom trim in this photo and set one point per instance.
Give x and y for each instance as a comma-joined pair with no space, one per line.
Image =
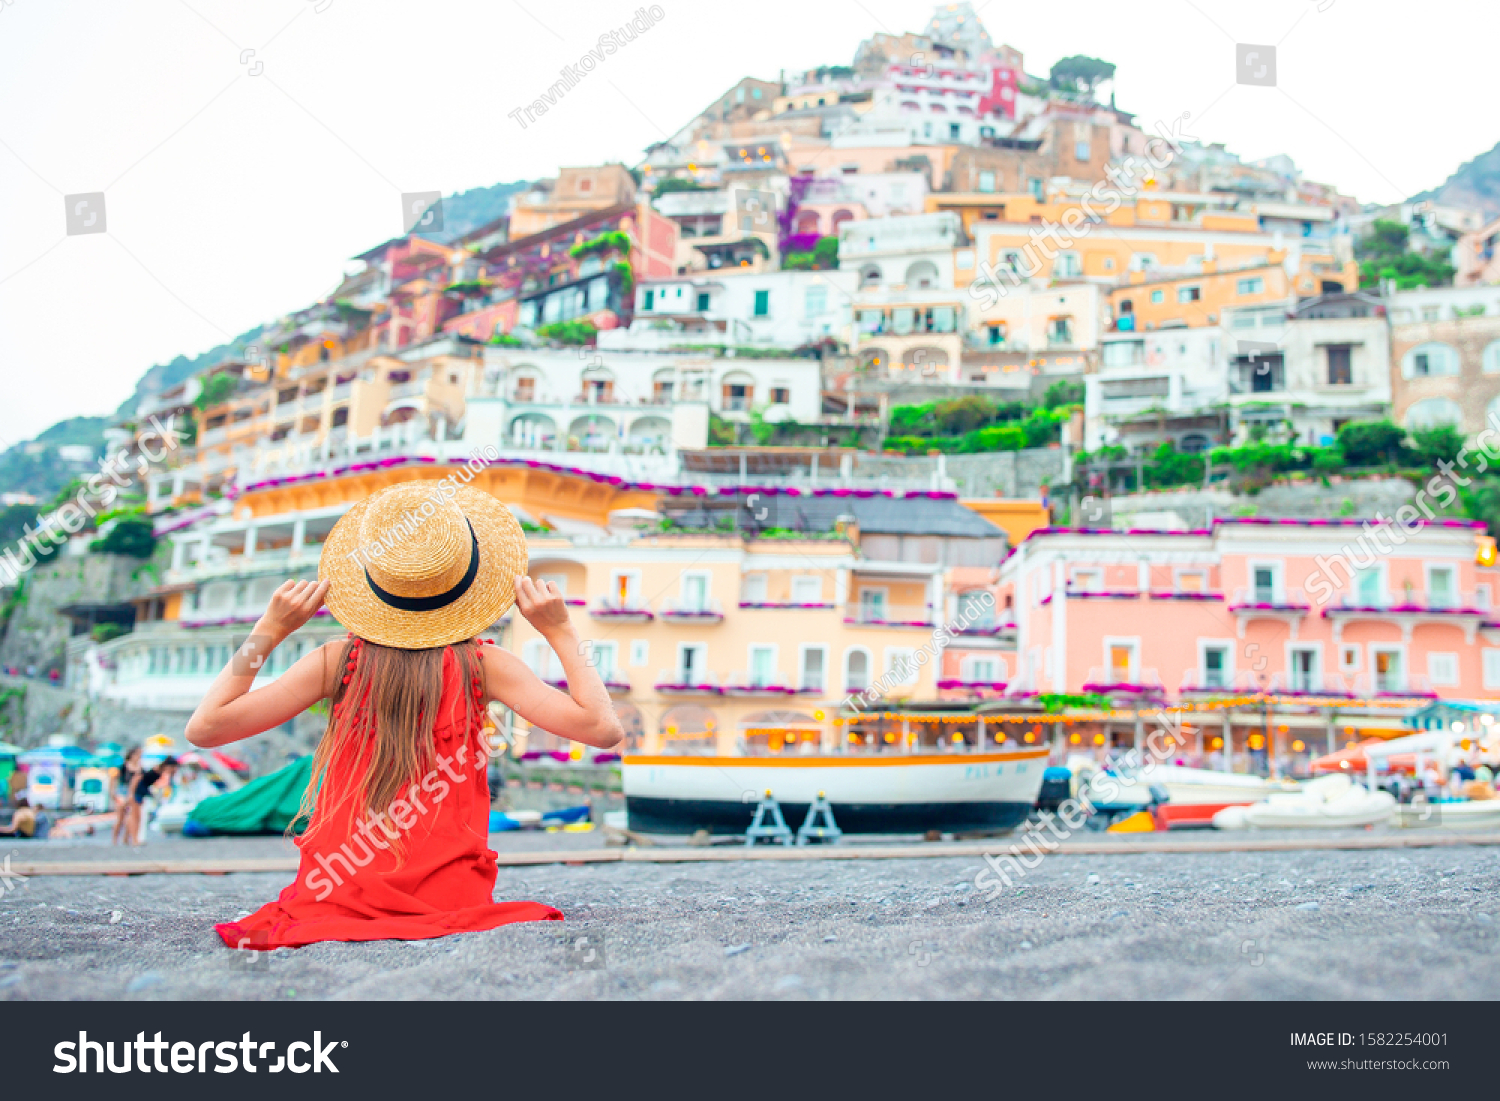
347,679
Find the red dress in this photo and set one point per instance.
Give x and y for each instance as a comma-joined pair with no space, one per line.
349,885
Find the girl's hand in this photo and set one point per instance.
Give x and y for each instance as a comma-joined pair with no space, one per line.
292,605
542,605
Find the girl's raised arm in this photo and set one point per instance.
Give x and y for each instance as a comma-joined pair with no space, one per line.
584,712
229,711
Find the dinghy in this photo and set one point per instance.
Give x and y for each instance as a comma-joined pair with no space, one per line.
1330,802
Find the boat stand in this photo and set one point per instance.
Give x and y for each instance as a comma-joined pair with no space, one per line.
776,831
810,830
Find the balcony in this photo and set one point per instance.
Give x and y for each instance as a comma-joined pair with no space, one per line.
964,684
786,605
758,684
883,615
1412,607
1394,685
1106,680
1270,601
692,611
629,610
687,682
1207,682
1299,683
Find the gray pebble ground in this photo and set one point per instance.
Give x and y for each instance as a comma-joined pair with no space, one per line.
1418,923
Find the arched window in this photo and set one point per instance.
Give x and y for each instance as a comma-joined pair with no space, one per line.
856,669
1429,360
1491,359
869,275
1431,412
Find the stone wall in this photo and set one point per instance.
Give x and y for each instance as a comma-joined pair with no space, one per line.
37,634
994,474
1363,499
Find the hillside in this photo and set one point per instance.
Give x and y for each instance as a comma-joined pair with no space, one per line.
1476,184
33,466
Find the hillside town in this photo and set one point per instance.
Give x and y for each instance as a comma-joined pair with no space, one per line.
918,404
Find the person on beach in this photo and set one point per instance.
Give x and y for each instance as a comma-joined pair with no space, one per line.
397,841
124,786
140,789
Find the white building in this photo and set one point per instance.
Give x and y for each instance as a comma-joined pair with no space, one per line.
1157,386
738,308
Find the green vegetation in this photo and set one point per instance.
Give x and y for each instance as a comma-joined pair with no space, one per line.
1054,702
1385,253
823,257
972,425
666,187
569,332
1080,74
103,632
505,340
1063,392
216,389
131,537
614,240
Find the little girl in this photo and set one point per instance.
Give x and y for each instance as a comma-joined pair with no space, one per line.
398,808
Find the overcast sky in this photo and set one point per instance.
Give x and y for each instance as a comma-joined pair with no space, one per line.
236,189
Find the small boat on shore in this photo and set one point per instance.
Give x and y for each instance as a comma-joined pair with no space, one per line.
869,793
1330,802
1466,814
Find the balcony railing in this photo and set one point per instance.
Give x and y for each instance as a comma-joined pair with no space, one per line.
758,684
1394,684
889,615
683,682
1296,683
1415,602
622,611
1107,680
692,611
1259,598
968,684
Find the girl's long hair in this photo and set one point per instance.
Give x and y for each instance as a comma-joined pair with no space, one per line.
380,727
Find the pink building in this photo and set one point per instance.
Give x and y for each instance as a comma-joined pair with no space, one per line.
1299,608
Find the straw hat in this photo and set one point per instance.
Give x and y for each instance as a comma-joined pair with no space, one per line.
423,564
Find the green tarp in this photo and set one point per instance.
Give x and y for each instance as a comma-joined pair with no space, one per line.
265,805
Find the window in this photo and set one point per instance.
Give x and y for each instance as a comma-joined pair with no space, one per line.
1389,675
1340,370
1081,151
1189,294
1367,587
872,605
901,665
1304,670
983,671
1490,361
694,592
650,301
1088,581
1256,285
753,590
1215,667
1034,185
1491,660
976,608
605,658
1429,360
762,666
807,590
1158,296
810,668
1191,581
1442,670
1349,659
703,300
995,334
780,395
640,652
857,669
692,662
1440,587
625,588
762,303
1264,581
1060,330
1121,663
815,301
1431,412
986,181
1067,266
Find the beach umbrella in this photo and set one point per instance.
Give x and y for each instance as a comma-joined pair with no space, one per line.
54,754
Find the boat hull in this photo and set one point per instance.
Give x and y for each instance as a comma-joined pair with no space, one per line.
881,794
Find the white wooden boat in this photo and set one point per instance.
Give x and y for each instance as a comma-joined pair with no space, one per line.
1182,785
1474,814
876,793
1330,802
